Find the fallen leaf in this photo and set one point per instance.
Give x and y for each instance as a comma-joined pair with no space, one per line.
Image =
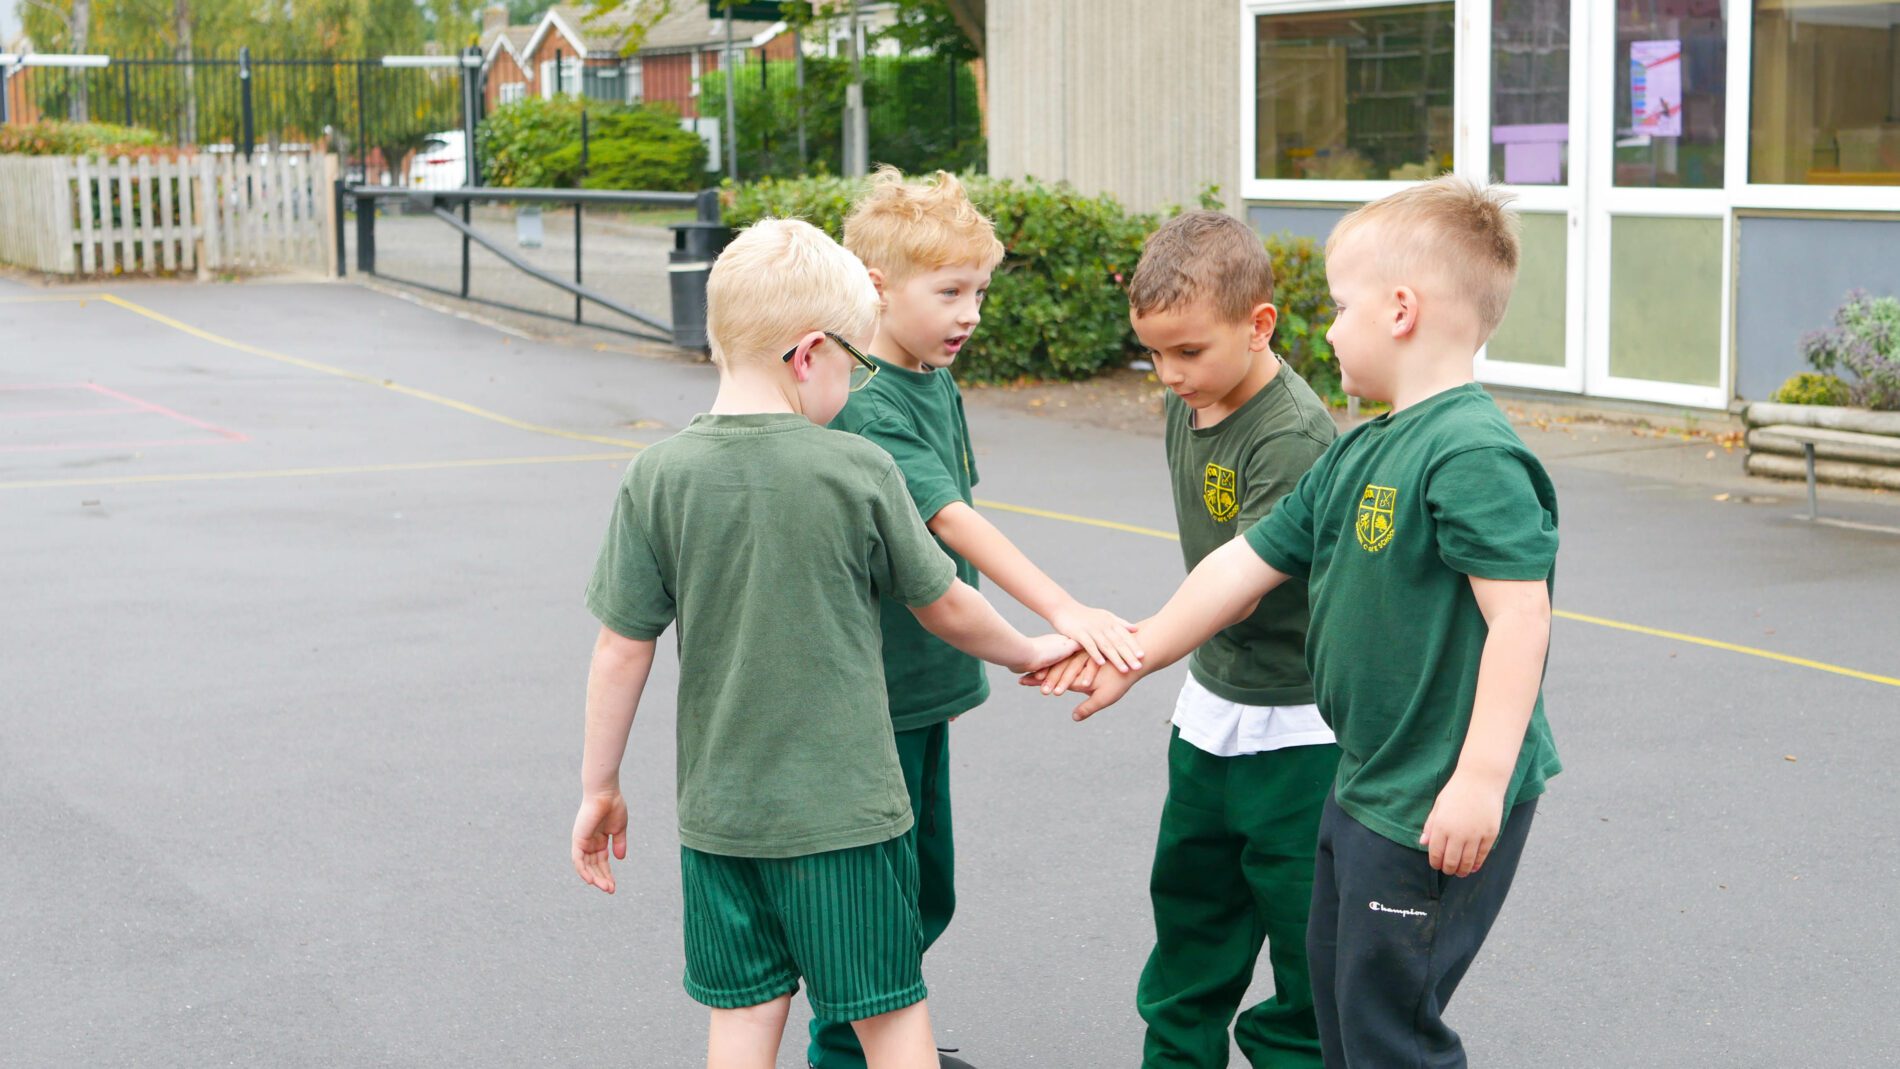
1787,757
1710,455
1721,497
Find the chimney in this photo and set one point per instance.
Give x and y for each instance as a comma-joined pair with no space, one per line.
494,17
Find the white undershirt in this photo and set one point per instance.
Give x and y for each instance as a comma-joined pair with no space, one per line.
1217,726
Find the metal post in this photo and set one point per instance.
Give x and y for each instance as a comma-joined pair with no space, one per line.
857,154
6,76
366,234
362,140
732,122
579,181
125,89
560,73
342,249
244,88
798,69
1814,504
955,136
472,176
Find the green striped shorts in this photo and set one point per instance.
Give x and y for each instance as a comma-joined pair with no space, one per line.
845,920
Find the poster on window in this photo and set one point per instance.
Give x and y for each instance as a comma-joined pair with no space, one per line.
1656,87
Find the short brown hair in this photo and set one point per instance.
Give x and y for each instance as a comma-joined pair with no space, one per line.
903,228
1203,255
1451,225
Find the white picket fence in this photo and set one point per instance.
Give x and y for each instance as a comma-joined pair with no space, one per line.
82,216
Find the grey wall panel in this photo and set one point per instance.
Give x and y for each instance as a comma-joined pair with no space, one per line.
1138,98
1791,275
1300,222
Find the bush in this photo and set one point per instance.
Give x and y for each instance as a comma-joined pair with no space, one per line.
53,138
1864,341
1808,388
536,143
1058,304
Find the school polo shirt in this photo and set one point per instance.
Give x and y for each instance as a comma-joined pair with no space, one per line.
1388,529
772,541
917,417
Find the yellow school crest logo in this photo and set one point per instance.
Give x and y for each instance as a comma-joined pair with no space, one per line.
1218,491
1375,517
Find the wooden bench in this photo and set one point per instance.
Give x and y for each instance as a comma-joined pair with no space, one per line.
1840,445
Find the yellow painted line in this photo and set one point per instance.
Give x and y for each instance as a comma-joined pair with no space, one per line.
1089,521
367,380
1677,636
1697,640
304,473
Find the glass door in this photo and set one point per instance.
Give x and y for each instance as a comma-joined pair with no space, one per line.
1526,70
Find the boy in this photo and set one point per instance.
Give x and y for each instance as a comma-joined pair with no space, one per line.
1250,759
1428,539
930,254
770,540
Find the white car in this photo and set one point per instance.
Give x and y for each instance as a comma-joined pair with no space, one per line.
441,162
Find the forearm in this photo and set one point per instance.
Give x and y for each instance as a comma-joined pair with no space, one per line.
1221,591
615,679
1510,672
965,619
977,540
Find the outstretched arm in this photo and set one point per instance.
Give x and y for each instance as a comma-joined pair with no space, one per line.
1104,635
966,619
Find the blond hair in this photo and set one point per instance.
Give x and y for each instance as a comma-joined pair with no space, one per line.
779,279
1203,255
1454,227
904,228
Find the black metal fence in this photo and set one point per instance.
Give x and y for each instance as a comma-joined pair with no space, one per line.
375,111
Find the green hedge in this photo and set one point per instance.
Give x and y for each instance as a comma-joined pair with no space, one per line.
77,139
537,143
1058,304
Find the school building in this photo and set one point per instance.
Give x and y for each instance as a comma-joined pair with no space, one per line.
1701,181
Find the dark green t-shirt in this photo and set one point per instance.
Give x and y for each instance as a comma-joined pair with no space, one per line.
917,417
1226,477
1387,529
771,541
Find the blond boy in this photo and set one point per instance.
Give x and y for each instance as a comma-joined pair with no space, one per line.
1428,538
930,254
769,539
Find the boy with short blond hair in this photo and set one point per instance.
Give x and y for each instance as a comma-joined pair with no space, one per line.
1428,538
930,254
1250,758
770,539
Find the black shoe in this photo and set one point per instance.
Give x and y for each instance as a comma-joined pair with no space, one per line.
950,1061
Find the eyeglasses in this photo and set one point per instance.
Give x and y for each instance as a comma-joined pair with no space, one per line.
861,375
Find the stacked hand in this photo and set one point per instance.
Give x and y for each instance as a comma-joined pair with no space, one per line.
1105,637
1103,683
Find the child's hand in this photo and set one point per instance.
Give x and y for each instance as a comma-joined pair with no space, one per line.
1105,689
602,821
1077,674
1463,824
1106,637
1045,651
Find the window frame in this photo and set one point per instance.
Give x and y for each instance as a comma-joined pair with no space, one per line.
1333,190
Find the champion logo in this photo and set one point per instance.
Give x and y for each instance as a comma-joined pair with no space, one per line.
1381,907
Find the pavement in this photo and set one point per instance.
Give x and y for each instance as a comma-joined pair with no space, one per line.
290,715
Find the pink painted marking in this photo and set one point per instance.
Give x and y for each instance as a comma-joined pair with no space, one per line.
234,436
137,406
49,413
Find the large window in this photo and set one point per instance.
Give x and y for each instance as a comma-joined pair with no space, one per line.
1357,94
1530,91
1826,93
1671,92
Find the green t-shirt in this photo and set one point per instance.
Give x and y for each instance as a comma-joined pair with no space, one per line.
1387,529
917,417
771,541
1226,477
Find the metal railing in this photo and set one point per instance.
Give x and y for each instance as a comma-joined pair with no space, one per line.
696,245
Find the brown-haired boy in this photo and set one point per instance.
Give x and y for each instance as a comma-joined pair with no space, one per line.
1428,539
930,253
1250,759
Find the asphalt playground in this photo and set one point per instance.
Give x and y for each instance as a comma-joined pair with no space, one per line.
291,673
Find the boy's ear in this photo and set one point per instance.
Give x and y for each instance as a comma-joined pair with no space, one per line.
1265,318
1404,311
877,280
801,355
